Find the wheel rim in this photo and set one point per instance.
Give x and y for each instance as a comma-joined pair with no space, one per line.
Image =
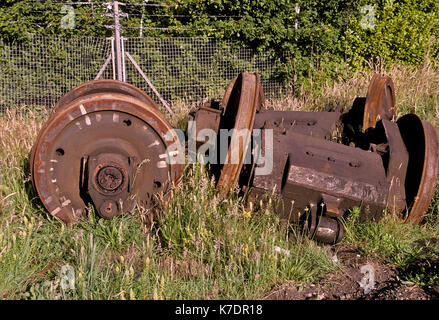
380,101
240,103
422,145
102,86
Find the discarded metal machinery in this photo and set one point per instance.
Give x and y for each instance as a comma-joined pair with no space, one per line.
106,143
380,164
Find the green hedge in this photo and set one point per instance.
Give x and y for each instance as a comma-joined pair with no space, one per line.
404,32
329,33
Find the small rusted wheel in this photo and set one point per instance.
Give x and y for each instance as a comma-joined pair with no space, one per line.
380,101
242,99
421,141
110,149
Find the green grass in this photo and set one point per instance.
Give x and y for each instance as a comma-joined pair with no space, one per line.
412,249
199,246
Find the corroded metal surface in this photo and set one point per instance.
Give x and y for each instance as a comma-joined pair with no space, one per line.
395,160
240,105
422,145
384,164
380,101
207,116
104,148
105,144
316,124
312,170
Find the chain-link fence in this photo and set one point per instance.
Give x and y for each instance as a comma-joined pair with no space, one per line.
39,72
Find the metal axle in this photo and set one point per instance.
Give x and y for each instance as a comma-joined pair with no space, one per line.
378,163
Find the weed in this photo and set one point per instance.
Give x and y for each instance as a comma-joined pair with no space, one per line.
200,246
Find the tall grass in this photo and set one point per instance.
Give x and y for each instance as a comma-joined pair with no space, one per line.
416,88
199,245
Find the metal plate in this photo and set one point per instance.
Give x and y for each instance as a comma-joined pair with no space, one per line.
396,162
421,142
318,170
380,101
316,124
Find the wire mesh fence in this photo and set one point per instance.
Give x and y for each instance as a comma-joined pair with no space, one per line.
195,68
38,73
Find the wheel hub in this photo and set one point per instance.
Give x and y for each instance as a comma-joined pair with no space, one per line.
109,178
105,145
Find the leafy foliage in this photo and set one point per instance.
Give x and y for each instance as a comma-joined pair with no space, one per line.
309,38
405,31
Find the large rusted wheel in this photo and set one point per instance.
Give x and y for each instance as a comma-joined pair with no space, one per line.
422,145
230,89
380,101
99,86
242,99
105,148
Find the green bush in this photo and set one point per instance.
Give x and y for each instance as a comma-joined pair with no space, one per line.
328,34
403,32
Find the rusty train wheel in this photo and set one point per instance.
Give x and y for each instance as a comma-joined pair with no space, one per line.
98,86
380,101
422,145
105,148
230,88
240,103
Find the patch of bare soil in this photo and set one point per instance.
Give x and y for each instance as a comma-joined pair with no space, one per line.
359,278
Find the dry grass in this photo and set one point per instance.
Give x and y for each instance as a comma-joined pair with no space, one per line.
416,88
201,246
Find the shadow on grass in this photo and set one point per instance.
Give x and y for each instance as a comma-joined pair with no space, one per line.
30,191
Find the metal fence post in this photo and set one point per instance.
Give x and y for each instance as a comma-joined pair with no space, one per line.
117,39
